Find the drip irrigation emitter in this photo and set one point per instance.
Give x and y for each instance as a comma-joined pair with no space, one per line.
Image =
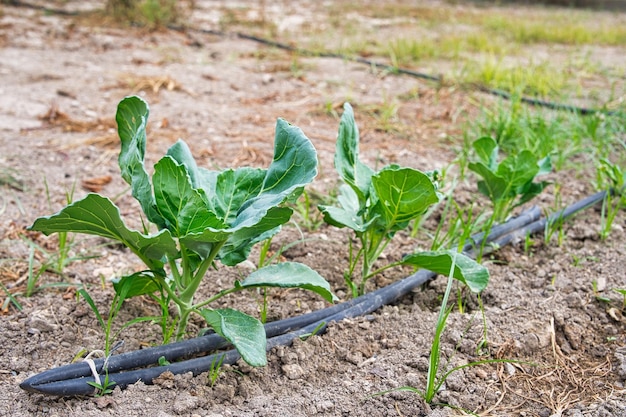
143,365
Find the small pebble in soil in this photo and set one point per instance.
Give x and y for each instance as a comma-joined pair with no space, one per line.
326,406
293,371
42,324
600,283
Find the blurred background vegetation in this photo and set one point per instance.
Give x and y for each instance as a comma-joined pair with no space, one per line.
150,13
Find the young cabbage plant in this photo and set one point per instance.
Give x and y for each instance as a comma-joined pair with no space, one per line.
377,204
509,183
202,216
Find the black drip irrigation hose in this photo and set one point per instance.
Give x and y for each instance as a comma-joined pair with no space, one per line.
128,368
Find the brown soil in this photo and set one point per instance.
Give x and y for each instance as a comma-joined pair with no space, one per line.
62,78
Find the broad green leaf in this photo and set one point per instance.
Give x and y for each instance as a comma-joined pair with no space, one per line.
97,215
403,193
492,185
348,214
246,333
203,242
530,191
290,275
486,149
181,153
240,242
224,191
517,170
347,163
233,187
182,207
294,166
93,306
132,117
139,283
466,270
545,166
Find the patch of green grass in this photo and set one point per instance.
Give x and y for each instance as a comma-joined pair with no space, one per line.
404,51
153,14
556,28
535,79
385,115
456,45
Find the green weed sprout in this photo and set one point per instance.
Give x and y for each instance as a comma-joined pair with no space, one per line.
376,205
104,387
216,370
202,216
437,375
611,176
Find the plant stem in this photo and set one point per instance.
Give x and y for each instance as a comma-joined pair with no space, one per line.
377,244
185,299
63,251
433,366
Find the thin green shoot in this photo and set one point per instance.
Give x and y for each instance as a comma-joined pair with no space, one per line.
107,326
263,253
103,388
32,274
435,379
216,369
612,178
528,243
460,300
315,331
65,243
432,382
263,313
555,225
483,345
10,299
305,208
41,261
35,271
596,293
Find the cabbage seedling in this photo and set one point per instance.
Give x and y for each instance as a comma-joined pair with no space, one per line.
202,216
508,183
376,205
